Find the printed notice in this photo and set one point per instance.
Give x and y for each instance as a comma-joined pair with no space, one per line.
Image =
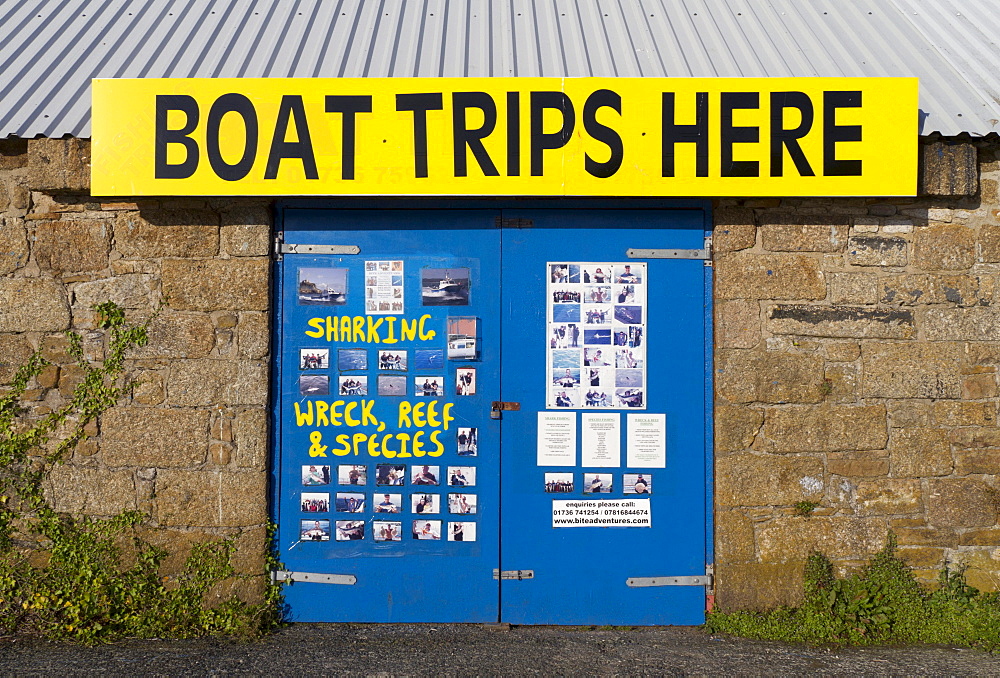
646,441
383,287
601,440
557,438
601,513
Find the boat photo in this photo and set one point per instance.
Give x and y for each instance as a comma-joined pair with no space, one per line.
444,287
322,287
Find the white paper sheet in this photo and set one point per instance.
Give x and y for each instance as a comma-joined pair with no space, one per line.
557,438
646,441
601,440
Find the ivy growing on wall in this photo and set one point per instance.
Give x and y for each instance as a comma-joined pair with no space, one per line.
91,579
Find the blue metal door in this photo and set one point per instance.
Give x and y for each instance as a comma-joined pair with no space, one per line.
388,470
420,352
555,512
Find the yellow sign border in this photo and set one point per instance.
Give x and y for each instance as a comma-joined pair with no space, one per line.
546,137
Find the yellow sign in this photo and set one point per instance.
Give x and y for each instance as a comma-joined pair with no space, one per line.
506,136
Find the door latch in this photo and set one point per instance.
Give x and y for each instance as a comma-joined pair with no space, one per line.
513,574
499,406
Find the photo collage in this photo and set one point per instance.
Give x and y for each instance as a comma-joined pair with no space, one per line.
398,502
393,502
400,372
596,343
598,482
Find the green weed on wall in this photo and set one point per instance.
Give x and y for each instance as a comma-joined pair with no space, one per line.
89,579
882,604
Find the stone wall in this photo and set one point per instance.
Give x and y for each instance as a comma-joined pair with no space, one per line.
188,445
856,364
857,345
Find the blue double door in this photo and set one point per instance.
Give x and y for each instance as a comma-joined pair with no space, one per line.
418,475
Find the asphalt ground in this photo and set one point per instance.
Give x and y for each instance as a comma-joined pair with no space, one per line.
475,650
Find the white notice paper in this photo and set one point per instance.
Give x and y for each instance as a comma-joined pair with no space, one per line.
557,438
601,440
646,443
601,513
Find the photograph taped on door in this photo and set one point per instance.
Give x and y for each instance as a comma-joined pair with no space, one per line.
314,358
322,286
463,338
461,531
387,530
462,476
352,474
349,359
315,502
596,333
559,482
444,286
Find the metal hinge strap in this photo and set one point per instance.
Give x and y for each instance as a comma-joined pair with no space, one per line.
513,574
689,580
704,254
285,576
297,248
636,253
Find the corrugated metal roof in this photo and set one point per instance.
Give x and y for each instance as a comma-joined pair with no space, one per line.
49,50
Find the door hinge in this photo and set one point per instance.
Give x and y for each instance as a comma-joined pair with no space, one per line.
286,577
518,222
636,253
686,580
298,248
513,574
704,254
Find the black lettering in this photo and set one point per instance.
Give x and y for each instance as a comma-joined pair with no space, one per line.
350,105
832,133
513,134
789,138
603,133
291,107
164,136
420,104
242,106
473,138
685,134
738,134
540,141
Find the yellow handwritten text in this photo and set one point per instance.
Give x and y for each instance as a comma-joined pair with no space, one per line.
368,329
330,414
420,415
379,444
425,414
